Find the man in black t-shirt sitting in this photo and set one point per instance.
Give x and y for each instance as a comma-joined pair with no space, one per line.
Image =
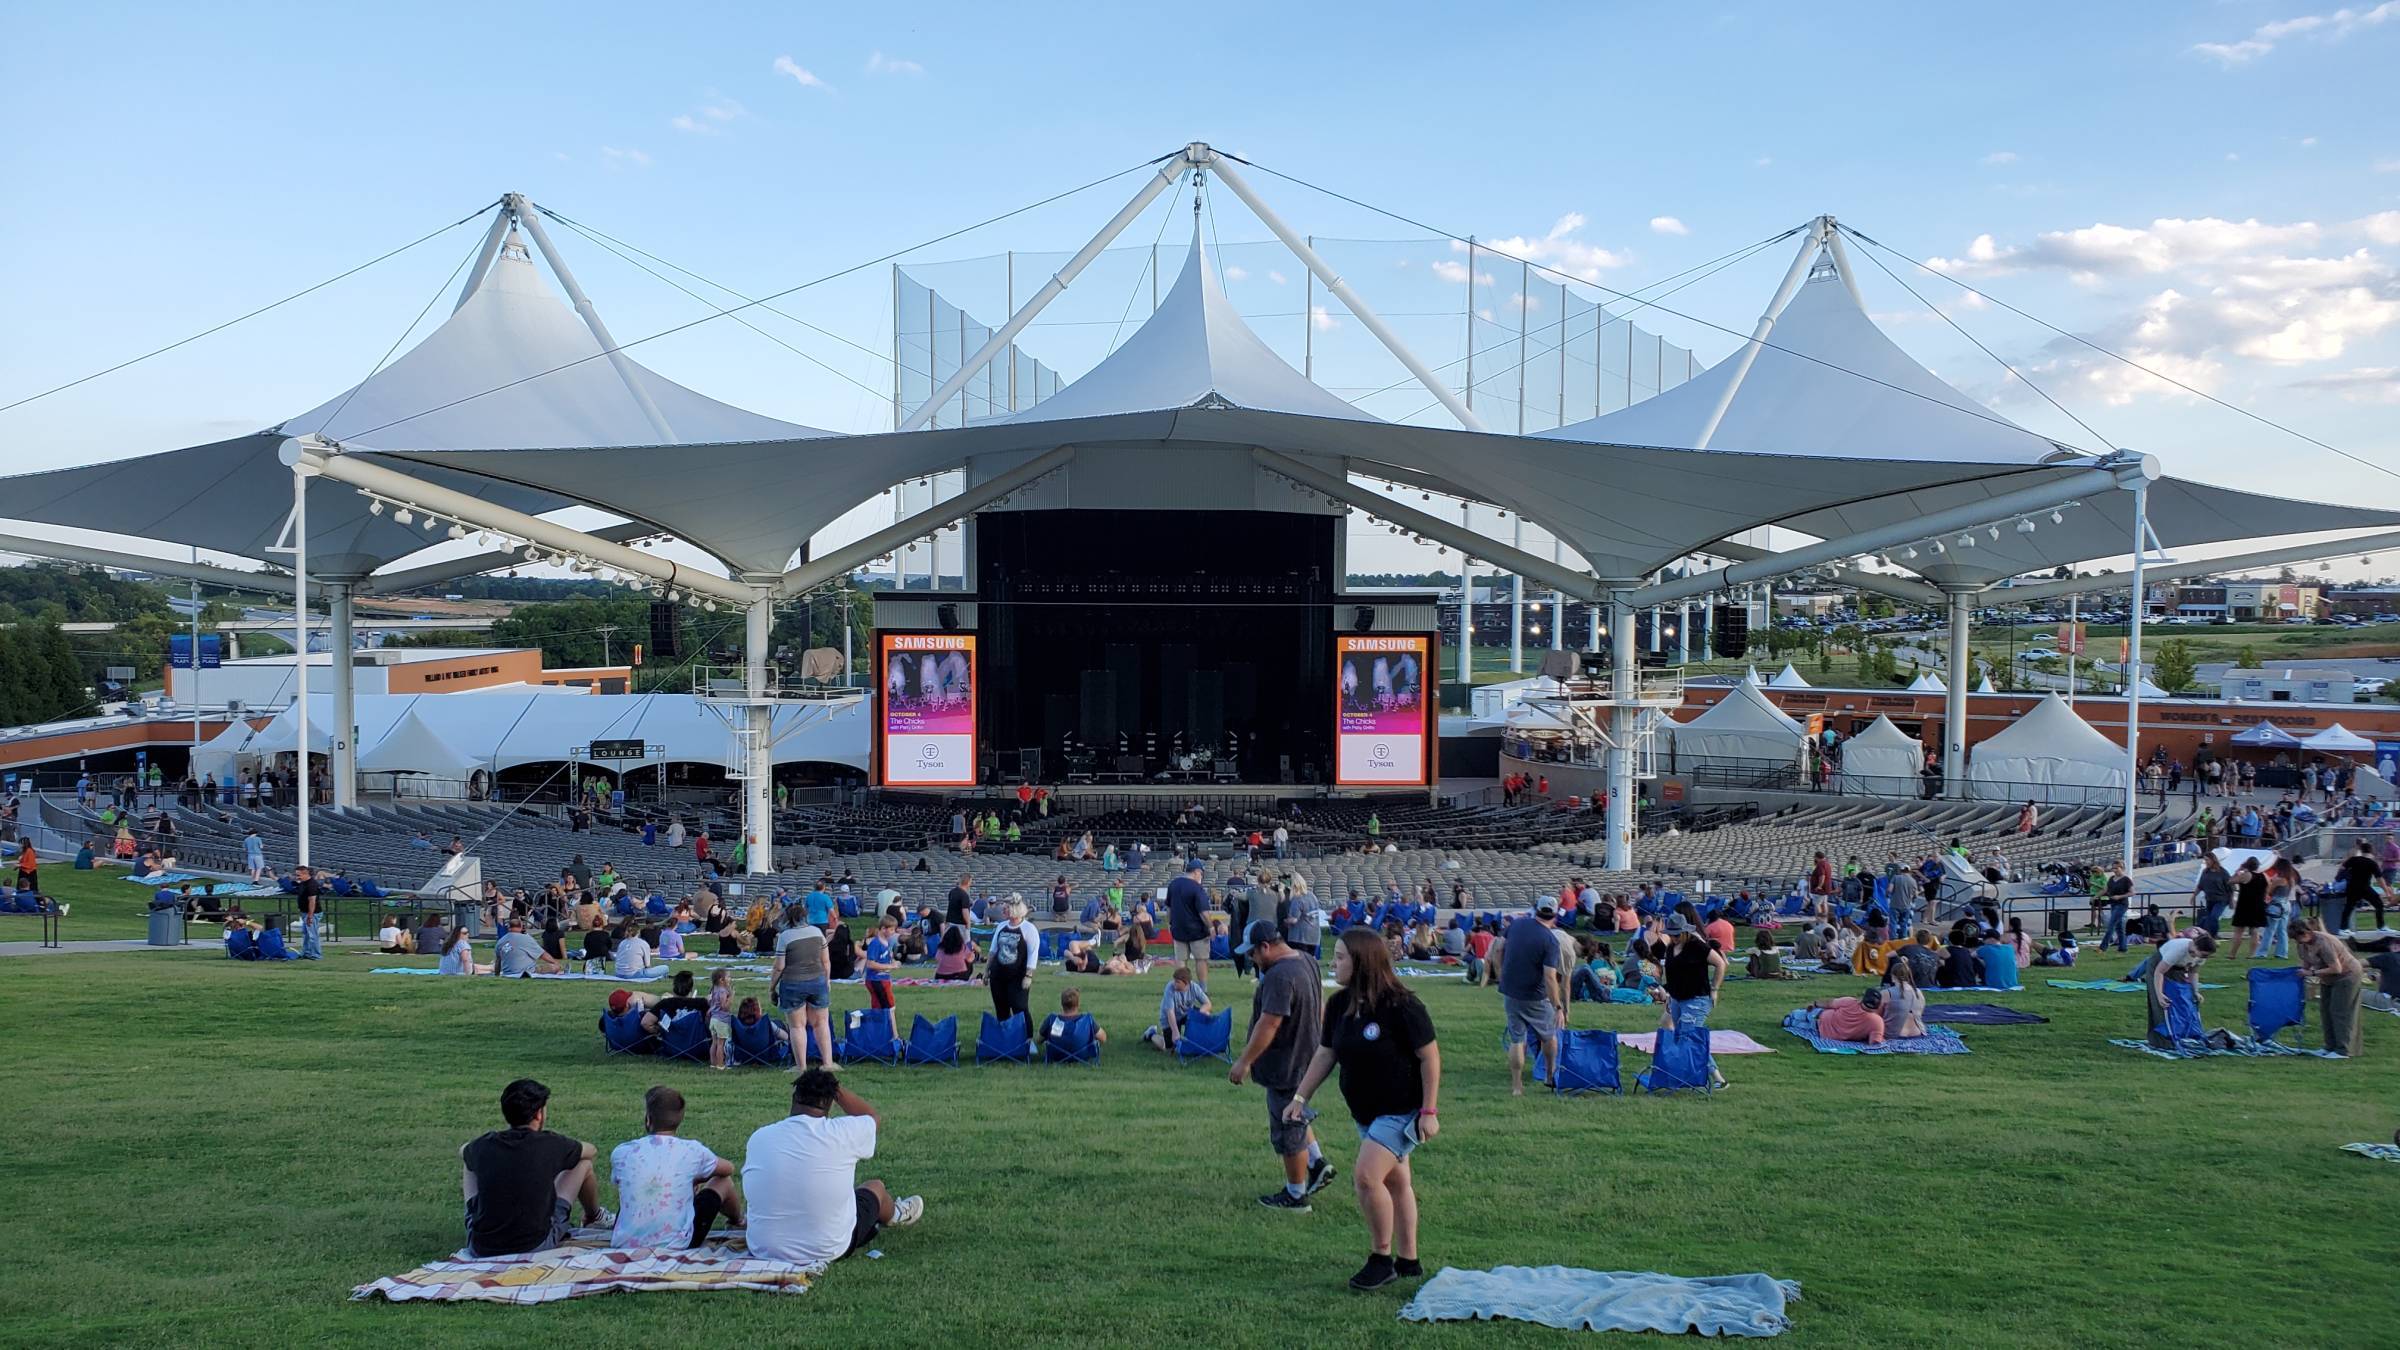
522,1183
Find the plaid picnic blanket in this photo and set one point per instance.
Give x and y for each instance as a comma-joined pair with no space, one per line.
585,1266
1936,1040
2379,1152
2225,1043
2109,986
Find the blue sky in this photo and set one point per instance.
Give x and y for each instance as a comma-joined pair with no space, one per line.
2216,185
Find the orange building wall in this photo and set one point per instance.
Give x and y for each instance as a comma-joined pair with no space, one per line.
452,674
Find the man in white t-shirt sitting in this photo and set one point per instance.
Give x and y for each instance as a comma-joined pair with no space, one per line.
800,1176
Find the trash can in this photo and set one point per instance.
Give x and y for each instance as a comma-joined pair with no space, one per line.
166,927
467,916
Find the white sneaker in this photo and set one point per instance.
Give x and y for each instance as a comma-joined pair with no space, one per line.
607,1219
907,1210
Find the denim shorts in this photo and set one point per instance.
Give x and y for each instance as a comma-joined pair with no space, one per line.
793,995
1528,1019
1691,1012
1396,1135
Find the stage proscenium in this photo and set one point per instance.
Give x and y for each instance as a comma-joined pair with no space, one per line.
926,693
1380,709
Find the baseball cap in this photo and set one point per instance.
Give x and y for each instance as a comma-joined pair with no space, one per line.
1194,865
1676,926
1258,934
618,999
1871,999
1546,907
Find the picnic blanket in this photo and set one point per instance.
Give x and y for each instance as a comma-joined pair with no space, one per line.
1719,1043
1802,1023
2110,986
2379,1152
586,1265
2224,1043
1977,989
1979,1014
1613,1300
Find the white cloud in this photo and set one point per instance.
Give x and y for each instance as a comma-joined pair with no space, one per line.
620,157
2383,227
879,64
1559,250
1277,277
1762,161
2161,246
2000,157
2387,166
2329,27
1668,225
1234,272
1322,319
2308,140
2359,384
1456,272
785,65
689,124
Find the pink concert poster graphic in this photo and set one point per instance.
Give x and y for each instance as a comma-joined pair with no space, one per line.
1379,701
928,698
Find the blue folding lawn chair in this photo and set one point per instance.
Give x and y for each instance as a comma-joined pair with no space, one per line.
870,1037
932,1042
1206,1036
1054,942
1220,947
2183,1014
756,1043
685,1037
999,1041
1587,1062
2277,1000
1071,1040
622,1034
1680,1064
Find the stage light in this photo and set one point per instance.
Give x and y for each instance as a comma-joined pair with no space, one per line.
458,531
374,507
1966,540
1995,533
1911,553
483,539
430,522
2058,517
2025,526
1936,546
404,516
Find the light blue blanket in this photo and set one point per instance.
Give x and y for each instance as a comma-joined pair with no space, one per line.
1616,1300
2242,1046
2110,986
2379,1152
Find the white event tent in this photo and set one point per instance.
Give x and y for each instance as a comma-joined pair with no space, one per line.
1788,678
1883,761
1743,725
2050,755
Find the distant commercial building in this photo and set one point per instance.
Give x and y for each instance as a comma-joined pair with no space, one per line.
2250,601
2364,601
266,682
2287,684
1807,606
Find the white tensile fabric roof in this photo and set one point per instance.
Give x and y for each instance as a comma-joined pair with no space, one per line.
1827,383
1788,678
1744,724
1882,761
452,735
231,495
1927,683
1830,383
1195,376
2337,737
1984,685
2050,755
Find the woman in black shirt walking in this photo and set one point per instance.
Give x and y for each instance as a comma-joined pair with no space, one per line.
1381,1036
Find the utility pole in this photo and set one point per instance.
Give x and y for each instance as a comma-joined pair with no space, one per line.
607,631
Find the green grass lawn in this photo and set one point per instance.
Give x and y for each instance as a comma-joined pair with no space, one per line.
210,1153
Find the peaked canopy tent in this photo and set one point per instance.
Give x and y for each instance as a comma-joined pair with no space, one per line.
1789,678
1745,727
1883,761
1927,683
2053,756
2339,739
2265,736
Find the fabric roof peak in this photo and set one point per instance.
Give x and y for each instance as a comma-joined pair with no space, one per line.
1826,382
1194,351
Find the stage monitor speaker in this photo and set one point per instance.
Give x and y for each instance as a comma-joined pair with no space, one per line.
1729,630
1595,664
948,615
1363,618
666,631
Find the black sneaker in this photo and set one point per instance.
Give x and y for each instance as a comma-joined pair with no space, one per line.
1375,1274
1281,1199
1408,1268
1321,1176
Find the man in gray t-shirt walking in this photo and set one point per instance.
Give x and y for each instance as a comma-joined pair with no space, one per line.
1284,1026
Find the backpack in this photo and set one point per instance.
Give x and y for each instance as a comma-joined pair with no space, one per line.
1008,946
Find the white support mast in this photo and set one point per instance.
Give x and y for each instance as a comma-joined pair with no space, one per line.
490,248
591,319
340,610
2133,670
1766,324
1151,187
